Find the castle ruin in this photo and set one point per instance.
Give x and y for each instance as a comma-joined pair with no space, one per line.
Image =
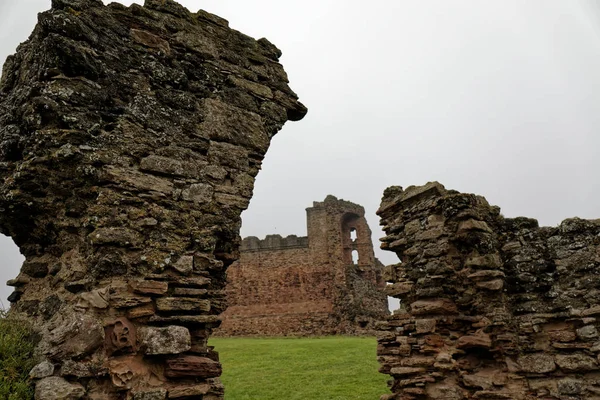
493,307
328,282
130,138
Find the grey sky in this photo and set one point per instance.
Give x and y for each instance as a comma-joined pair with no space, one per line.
499,98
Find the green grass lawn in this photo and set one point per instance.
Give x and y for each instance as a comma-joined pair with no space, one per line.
331,368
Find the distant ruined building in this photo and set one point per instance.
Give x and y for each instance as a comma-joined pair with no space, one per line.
312,285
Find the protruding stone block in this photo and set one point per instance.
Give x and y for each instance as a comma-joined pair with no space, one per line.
167,340
178,304
42,370
192,366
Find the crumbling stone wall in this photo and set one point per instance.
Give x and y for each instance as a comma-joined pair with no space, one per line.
308,285
493,307
130,138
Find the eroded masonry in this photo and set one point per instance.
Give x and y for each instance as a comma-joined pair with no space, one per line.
494,307
328,282
130,140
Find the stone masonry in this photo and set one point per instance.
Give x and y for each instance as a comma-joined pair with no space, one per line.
130,138
493,307
308,285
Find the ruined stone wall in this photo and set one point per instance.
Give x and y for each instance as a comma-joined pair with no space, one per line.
278,292
130,138
307,285
492,307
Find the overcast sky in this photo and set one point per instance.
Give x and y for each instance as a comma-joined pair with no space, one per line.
497,97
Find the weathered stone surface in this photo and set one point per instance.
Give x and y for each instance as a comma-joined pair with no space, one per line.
570,386
83,369
126,300
189,391
473,225
588,332
481,340
79,336
507,308
213,320
114,236
189,292
55,388
576,362
538,363
190,304
405,371
496,284
150,287
478,381
438,306
192,366
308,285
185,265
96,298
152,394
145,310
121,336
198,193
42,370
130,138
168,340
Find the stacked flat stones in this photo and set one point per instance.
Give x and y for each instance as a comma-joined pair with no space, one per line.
130,138
491,307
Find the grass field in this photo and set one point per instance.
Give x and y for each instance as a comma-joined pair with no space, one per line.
332,368
16,359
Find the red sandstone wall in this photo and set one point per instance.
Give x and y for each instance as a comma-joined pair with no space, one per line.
307,286
280,292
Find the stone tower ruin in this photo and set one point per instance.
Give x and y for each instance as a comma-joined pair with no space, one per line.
493,307
130,138
308,285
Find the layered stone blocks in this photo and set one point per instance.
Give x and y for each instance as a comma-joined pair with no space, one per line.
308,285
130,138
492,307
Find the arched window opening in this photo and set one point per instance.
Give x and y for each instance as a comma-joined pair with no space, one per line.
353,234
355,257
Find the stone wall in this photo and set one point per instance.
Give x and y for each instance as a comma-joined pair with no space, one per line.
308,285
492,307
130,138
